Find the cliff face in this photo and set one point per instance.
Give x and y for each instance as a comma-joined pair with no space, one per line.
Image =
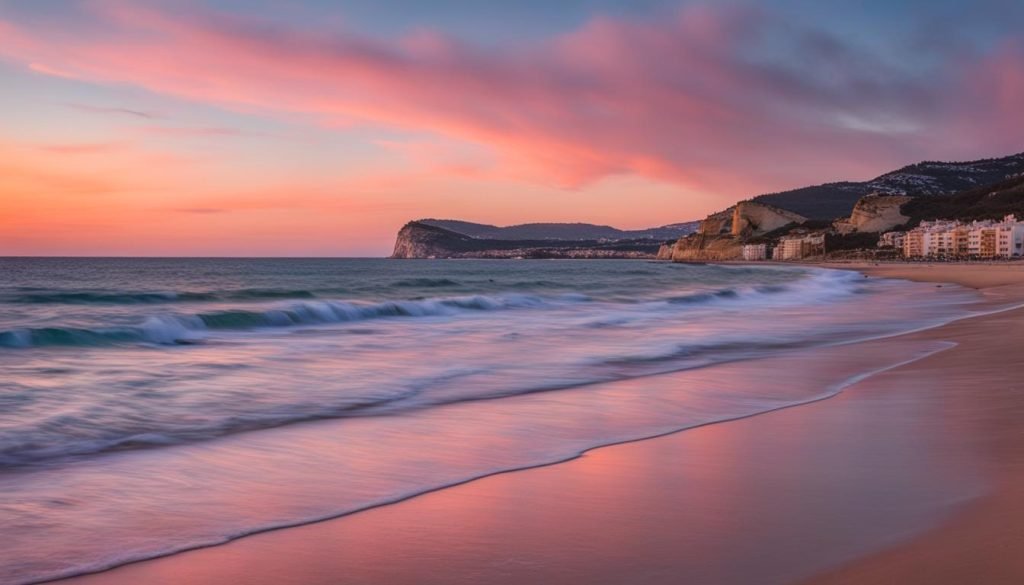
721,235
717,223
753,219
665,251
419,240
874,213
701,248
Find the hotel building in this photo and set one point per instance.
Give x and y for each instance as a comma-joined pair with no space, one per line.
954,239
754,252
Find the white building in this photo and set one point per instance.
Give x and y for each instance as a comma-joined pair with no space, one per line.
954,239
797,247
755,252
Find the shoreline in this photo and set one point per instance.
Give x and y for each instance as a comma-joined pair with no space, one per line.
293,538
982,543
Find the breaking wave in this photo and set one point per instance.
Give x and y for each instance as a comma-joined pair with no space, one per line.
185,329
174,329
144,297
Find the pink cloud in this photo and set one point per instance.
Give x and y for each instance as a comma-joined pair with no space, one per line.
50,70
695,99
195,132
83,148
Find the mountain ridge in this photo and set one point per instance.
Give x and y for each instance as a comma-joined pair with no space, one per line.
926,178
421,240
574,231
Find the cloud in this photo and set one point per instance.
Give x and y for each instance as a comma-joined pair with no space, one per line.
728,100
202,132
51,70
114,110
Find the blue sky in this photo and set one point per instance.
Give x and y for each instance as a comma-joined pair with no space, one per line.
319,127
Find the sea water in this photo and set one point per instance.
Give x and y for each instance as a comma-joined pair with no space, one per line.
149,406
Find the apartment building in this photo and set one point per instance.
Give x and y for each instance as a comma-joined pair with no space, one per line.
954,239
755,252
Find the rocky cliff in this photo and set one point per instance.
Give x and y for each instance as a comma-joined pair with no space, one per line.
874,213
701,248
717,223
665,251
721,235
419,240
751,218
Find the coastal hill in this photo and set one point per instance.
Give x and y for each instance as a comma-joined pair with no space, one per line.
853,214
433,238
929,178
560,231
986,202
926,190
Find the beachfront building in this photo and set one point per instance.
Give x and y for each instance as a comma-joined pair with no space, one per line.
791,247
756,252
913,244
954,239
797,247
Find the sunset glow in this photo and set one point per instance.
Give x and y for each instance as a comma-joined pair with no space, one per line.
262,129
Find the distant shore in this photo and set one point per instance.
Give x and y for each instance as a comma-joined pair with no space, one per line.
912,475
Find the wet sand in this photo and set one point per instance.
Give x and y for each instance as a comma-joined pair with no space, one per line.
985,542
915,474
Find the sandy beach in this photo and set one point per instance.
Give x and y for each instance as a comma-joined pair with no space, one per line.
984,543
912,475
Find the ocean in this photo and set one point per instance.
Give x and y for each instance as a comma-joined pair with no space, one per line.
149,406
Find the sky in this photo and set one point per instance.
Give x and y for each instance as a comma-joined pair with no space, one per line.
318,128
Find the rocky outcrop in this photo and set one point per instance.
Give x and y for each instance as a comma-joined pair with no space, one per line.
721,235
717,223
701,248
751,218
419,240
874,213
665,251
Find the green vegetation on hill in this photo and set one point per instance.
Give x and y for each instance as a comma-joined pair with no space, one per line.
421,240
827,201
924,179
560,231
988,202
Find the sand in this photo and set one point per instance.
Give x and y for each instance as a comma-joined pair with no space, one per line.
984,543
914,475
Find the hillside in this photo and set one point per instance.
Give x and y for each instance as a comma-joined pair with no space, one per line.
929,178
421,240
988,202
560,231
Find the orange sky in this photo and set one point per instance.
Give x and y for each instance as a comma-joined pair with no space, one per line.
138,128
